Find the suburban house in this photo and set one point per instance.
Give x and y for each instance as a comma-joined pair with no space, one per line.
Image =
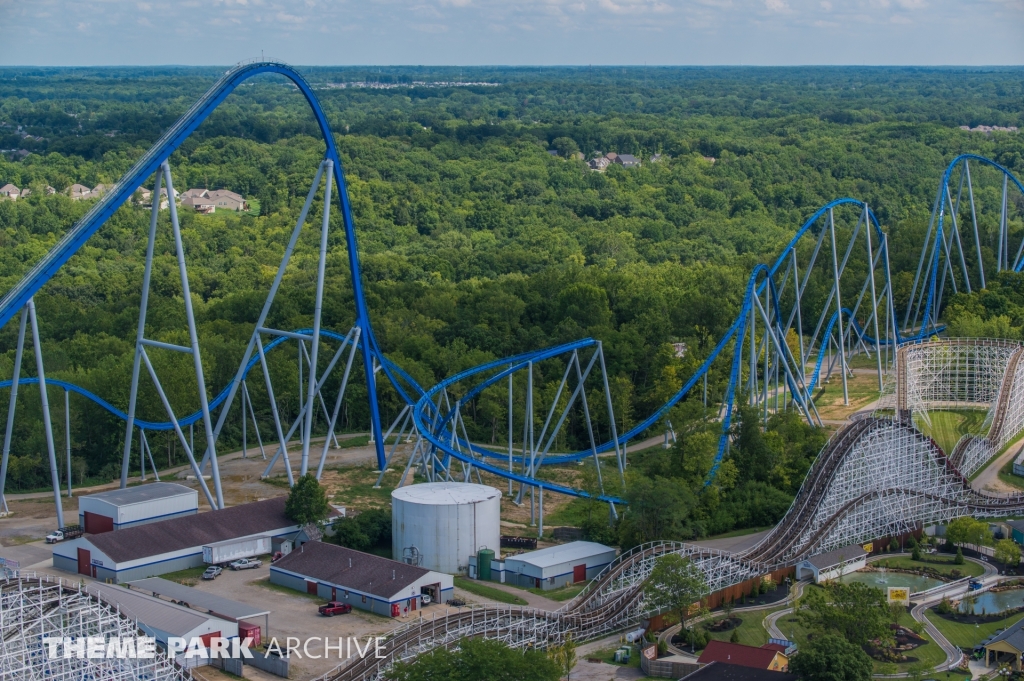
9,191
164,546
768,658
207,201
599,163
365,581
832,565
627,161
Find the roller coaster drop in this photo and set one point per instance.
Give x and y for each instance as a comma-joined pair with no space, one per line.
877,476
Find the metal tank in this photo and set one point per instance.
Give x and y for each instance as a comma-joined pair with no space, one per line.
439,525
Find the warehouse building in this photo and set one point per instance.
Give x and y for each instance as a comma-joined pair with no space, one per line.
163,620
365,581
226,609
122,508
558,566
166,546
832,565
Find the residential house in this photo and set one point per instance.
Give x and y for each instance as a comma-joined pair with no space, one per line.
9,191
200,204
611,156
553,152
193,193
599,163
228,200
77,192
655,158
765,657
627,161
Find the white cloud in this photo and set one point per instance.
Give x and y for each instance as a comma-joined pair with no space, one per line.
776,5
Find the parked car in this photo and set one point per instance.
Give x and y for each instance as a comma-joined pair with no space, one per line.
334,608
246,564
276,557
974,585
425,599
69,532
212,572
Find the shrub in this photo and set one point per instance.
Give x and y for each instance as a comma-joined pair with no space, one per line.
959,560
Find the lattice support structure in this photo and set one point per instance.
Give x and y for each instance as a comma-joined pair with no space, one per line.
34,608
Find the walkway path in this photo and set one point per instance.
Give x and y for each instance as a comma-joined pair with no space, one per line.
988,479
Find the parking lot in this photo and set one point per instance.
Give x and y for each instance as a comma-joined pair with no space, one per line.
294,614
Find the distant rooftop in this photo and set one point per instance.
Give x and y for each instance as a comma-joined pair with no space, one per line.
141,493
564,553
197,598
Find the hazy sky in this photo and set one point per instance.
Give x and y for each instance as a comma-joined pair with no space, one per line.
89,32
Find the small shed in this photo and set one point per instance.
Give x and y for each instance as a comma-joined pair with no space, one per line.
210,603
1016,530
363,580
766,657
558,566
832,565
163,620
118,509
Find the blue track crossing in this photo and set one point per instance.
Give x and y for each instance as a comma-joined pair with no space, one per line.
429,423
16,298
197,415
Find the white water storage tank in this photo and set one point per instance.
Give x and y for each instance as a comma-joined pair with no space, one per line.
439,525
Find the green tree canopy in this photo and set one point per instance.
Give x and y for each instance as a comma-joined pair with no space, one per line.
831,658
676,584
855,611
477,659
307,502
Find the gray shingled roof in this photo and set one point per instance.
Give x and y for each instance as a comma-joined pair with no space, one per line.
153,612
823,561
355,570
189,531
1014,635
140,493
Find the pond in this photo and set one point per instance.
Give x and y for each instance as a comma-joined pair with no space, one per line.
915,582
990,603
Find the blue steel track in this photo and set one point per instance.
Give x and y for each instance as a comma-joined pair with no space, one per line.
429,422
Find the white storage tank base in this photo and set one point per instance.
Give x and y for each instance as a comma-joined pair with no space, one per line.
439,525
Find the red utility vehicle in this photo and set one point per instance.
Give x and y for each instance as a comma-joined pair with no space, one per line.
335,608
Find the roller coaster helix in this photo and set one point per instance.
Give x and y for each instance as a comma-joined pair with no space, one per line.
827,296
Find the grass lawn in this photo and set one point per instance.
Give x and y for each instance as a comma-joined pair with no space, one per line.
608,655
188,576
968,635
941,562
948,426
751,632
564,594
484,591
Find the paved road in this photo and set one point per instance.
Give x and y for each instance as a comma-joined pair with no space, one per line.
988,480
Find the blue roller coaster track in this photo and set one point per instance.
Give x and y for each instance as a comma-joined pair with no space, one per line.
774,314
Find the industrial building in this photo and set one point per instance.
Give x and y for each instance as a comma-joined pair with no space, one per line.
439,525
363,580
226,609
558,566
162,620
169,545
832,565
122,508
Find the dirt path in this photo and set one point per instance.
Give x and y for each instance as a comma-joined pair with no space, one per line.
988,480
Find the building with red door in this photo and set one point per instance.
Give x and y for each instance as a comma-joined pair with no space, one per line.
163,620
156,548
558,566
363,580
118,509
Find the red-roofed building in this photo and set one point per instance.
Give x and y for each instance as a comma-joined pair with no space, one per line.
767,657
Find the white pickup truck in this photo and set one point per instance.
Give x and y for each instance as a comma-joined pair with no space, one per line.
246,564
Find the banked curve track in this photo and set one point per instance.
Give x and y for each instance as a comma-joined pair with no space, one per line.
877,476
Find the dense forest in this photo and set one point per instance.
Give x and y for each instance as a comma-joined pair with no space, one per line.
476,242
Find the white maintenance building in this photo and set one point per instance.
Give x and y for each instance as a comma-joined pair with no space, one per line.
832,565
558,566
440,525
118,509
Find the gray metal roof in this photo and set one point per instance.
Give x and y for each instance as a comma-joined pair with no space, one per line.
199,599
141,493
823,561
153,612
564,553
